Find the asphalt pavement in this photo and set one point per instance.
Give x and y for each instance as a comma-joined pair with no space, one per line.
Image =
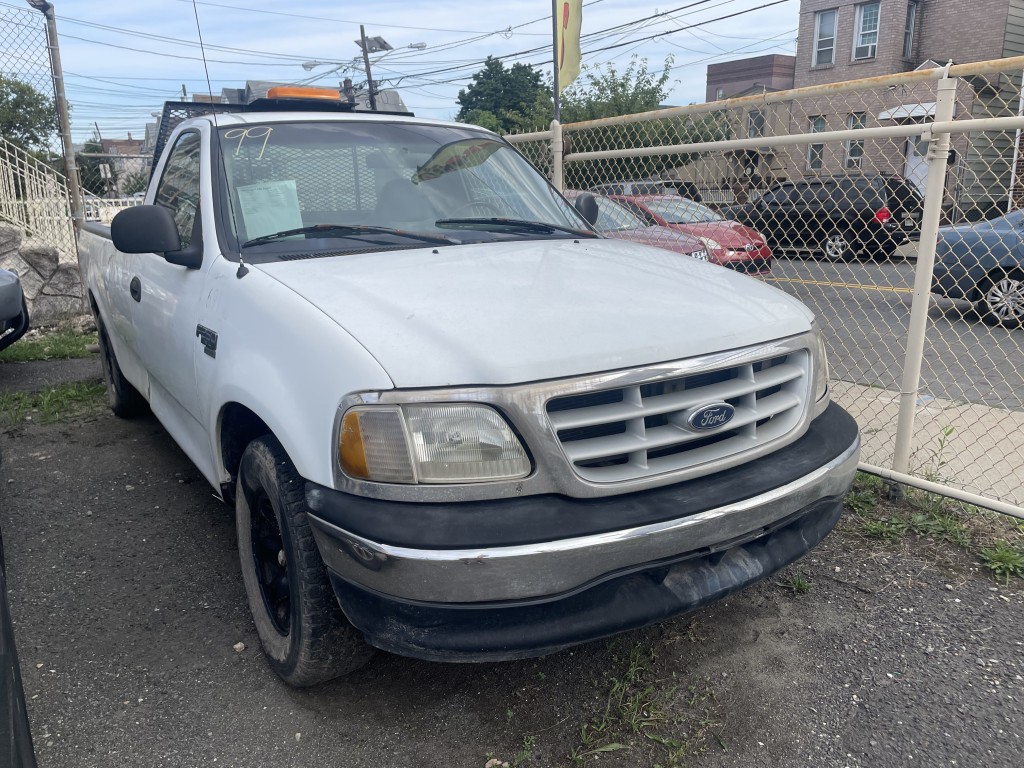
129,610
39,374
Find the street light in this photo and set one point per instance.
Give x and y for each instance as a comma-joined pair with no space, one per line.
63,118
314,63
368,45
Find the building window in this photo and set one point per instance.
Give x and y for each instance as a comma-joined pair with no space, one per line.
855,148
755,124
825,37
865,32
719,93
816,152
908,30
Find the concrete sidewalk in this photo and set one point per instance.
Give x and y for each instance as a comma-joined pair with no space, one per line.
970,446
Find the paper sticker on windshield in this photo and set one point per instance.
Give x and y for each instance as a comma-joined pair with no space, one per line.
456,156
269,207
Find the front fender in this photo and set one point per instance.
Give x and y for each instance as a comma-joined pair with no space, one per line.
287,362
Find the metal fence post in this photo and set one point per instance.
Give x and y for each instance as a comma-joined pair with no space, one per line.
557,149
938,155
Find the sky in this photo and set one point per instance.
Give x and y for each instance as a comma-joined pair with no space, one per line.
123,62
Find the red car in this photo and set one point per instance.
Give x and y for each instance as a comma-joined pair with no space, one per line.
729,243
616,220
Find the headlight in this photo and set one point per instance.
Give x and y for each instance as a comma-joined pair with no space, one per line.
429,444
700,255
821,371
711,245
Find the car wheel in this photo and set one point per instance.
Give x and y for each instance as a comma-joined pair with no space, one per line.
837,247
124,400
304,634
1002,299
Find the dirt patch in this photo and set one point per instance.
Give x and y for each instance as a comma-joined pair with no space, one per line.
128,606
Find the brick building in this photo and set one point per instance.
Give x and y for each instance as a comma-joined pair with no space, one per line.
741,77
842,40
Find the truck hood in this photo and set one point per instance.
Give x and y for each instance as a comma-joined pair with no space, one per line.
514,312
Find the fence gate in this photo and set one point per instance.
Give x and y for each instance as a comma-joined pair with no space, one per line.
836,177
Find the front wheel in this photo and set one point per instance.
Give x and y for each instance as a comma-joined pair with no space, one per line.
304,634
1002,300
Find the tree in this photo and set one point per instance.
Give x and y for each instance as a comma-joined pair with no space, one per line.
134,181
604,92
89,168
28,118
505,100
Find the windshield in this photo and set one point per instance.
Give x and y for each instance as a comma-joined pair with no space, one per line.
373,183
682,211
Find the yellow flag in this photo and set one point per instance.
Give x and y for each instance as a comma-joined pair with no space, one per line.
568,18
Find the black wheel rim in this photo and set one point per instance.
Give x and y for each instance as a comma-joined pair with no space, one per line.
271,564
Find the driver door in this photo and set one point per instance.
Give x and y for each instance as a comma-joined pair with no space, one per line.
168,297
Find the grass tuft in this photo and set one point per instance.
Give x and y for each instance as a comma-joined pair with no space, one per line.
53,404
1004,560
797,583
62,344
654,718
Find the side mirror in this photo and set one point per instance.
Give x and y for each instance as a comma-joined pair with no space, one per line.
145,229
586,204
151,229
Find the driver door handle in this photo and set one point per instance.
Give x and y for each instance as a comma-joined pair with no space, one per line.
135,288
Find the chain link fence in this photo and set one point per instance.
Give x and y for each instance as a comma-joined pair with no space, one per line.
843,196
24,55
33,194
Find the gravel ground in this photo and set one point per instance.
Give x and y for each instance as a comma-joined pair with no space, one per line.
128,606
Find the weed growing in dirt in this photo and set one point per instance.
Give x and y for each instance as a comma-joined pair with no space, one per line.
797,583
1003,560
884,528
62,344
991,537
525,753
54,404
638,716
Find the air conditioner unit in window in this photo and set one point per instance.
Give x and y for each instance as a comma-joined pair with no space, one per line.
853,163
864,52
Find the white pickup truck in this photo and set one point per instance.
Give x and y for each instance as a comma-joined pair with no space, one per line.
455,424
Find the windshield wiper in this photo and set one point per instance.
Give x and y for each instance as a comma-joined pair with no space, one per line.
520,224
344,230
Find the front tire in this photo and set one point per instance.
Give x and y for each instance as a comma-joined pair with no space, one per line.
1001,300
304,634
124,400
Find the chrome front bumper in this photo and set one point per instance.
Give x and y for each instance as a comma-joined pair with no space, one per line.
559,568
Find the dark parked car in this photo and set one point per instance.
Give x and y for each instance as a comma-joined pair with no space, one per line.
984,264
842,217
13,310
15,734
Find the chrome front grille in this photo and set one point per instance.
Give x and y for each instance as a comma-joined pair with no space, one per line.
637,431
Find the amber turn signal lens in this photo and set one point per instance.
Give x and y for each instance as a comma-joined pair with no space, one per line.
351,452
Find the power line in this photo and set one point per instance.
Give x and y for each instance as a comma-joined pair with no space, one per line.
377,23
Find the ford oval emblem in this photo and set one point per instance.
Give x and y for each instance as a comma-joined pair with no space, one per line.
711,416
